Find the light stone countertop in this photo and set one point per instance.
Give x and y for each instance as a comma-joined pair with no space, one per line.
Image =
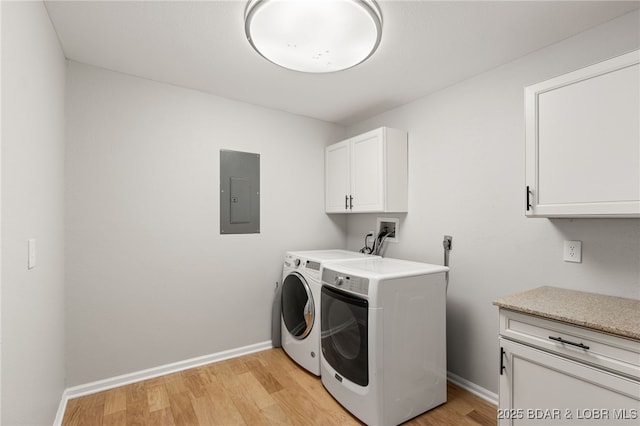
610,314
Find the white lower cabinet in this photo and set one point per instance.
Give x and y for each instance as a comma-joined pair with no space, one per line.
540,388
573,383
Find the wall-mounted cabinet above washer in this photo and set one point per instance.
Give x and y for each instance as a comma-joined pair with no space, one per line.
367,173
583,142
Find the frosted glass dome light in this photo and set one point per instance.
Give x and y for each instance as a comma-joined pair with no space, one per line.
315,36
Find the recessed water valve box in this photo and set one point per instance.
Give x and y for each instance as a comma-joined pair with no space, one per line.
390,226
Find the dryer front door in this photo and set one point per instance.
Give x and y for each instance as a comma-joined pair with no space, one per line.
344,334
298,312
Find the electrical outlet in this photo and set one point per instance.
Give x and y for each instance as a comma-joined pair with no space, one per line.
573,251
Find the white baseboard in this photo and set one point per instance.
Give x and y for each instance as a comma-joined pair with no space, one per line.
61,408
465,384
150,373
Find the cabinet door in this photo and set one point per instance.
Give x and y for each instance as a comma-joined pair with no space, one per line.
583,142
544,389
368,172
337,164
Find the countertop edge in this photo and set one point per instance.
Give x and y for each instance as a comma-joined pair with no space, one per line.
575,308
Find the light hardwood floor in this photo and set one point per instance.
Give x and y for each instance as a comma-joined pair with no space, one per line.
265,388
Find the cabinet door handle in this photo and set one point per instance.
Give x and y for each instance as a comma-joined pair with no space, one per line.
350,203
529,193
346,202
502,367
568,342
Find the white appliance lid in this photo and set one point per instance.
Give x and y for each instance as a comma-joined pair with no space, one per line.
385,268
328,255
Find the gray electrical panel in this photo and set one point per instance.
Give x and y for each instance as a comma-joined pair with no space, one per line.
239,192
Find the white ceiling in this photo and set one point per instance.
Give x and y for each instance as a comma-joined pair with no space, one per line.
426,45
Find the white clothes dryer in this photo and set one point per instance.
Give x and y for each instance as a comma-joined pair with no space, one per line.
383,338
300,303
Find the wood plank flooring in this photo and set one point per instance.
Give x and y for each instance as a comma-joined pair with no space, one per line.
265,388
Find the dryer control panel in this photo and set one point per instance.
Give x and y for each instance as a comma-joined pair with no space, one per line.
346,282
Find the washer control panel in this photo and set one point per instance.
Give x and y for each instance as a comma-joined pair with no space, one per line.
346,282
310,264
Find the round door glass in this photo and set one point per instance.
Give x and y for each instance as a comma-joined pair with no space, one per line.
345,331
297,306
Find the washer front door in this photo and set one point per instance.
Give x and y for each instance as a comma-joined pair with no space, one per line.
298,312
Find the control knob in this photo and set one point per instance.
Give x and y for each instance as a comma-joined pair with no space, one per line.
296,262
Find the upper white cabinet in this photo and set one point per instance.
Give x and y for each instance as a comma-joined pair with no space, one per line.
583,142
367,173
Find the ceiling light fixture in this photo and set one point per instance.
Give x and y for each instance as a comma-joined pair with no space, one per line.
316,36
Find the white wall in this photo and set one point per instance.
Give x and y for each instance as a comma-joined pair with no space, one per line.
33,84
466,179
150,280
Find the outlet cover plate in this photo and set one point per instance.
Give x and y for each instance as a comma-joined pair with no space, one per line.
573,251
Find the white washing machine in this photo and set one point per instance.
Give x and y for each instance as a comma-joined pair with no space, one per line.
300,303
383,338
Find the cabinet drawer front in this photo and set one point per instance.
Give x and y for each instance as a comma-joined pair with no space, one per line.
600,349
